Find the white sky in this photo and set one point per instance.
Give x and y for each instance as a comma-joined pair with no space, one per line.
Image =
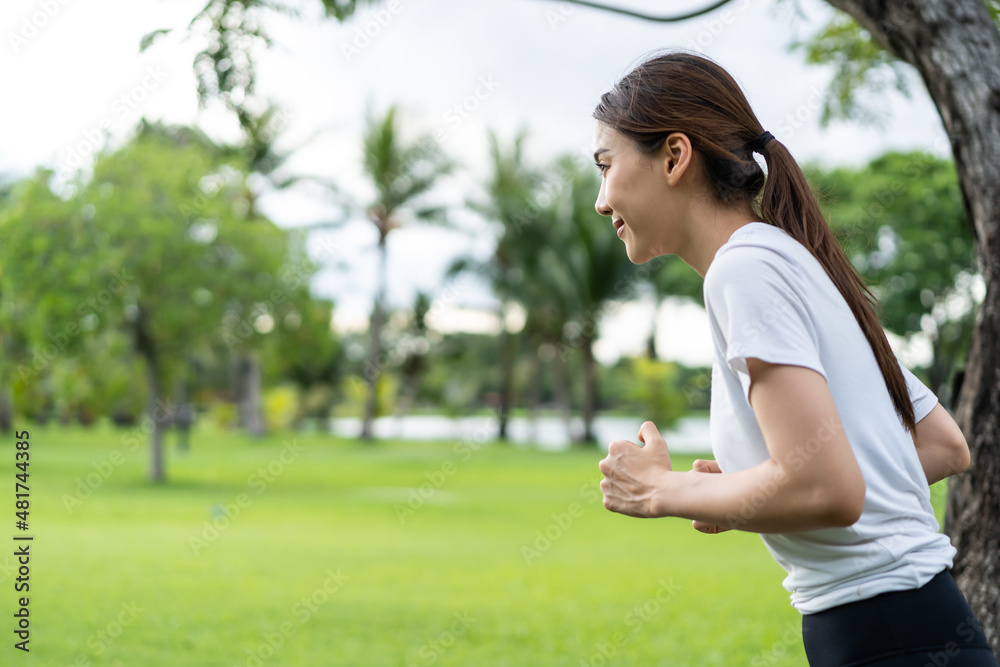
538,63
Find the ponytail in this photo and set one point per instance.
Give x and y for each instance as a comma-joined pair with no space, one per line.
683,92
789,204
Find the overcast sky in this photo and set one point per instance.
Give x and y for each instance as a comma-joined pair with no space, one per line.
70,68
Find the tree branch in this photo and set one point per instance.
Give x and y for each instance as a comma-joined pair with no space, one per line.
649,17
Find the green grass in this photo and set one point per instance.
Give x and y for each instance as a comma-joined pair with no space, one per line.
450,584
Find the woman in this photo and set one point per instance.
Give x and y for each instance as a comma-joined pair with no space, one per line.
824,443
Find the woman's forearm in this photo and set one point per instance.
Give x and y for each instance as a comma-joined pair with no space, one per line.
761,499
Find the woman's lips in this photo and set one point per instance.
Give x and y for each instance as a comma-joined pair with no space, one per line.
619,226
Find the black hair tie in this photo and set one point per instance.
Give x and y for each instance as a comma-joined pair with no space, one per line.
757,145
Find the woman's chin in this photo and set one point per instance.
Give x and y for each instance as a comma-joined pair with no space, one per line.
637,255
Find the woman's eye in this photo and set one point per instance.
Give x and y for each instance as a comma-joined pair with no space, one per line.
602,167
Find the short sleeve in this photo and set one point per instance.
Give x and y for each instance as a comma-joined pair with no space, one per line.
755,311
923,399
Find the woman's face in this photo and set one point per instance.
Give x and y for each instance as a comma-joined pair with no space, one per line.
636,193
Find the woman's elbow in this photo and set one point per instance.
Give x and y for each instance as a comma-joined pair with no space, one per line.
846,510
841,505
960,459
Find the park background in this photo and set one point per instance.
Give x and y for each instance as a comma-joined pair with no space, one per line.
318,337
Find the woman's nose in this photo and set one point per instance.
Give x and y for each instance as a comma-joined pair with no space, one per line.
601,205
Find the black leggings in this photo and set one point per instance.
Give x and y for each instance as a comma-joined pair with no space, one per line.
931,626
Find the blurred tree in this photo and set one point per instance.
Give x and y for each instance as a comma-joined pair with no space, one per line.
597,267
416,348
157,242
402,174
305,350
510,208
656,390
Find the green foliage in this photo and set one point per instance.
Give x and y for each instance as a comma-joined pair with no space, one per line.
222,414
354,391
402,171
662,391
302,347
902,222
461,369
161,252
994,8
655,389
861,67
281,407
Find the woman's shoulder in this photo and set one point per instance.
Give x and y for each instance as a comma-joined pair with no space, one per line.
756,249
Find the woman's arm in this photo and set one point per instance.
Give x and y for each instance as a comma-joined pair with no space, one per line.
940,445
811,481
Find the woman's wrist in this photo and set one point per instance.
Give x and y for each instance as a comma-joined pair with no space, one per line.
665,501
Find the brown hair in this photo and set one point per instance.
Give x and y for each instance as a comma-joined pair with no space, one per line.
687,93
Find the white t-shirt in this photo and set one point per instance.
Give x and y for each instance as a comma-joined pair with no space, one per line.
767,297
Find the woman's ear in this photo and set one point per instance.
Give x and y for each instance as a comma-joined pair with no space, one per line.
676,154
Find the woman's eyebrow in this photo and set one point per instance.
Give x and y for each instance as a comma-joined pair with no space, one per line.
598,152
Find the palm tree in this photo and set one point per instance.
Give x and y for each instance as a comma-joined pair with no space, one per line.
402,174
600,270
509,205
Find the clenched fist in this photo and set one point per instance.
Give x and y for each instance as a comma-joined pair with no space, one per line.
635,477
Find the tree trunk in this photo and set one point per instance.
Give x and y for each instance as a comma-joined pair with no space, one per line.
157,469
506,362
560,387
6,413
250,405
372,368
955,46
589,391
651,341
184,417
159,413
534,390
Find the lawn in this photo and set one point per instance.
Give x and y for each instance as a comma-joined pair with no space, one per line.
310,550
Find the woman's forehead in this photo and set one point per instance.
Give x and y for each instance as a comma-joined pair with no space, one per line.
605,138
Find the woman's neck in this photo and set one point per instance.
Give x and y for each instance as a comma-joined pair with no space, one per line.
714,227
